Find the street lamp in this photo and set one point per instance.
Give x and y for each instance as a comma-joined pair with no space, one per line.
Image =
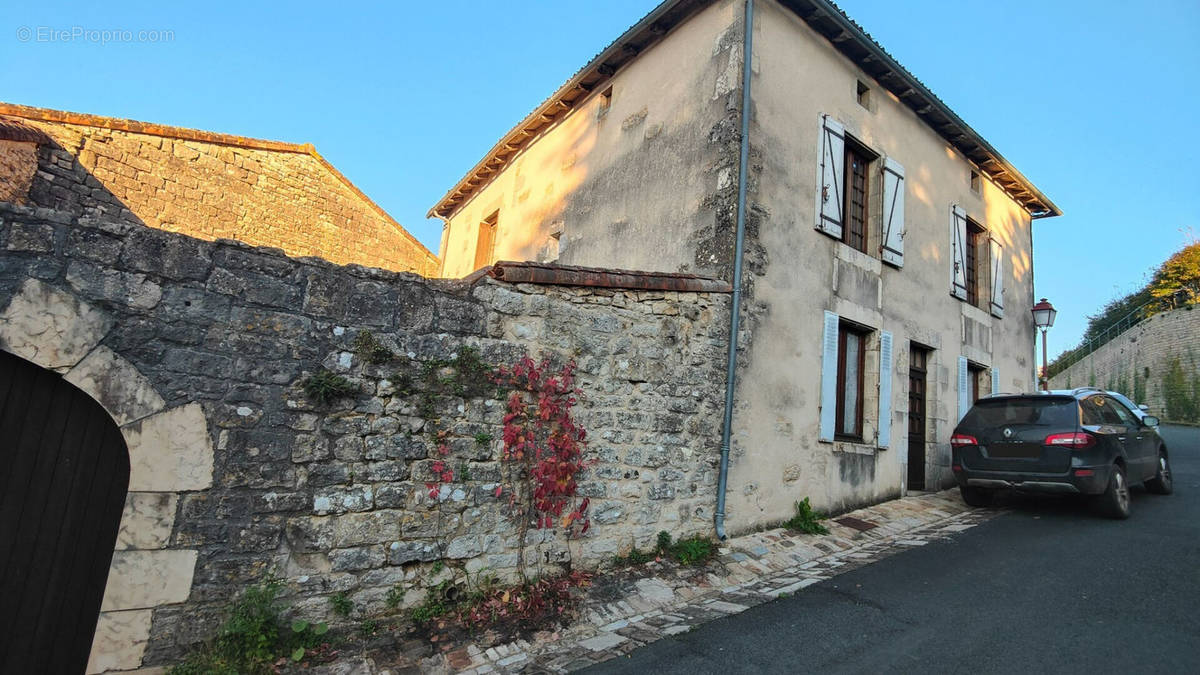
1043,317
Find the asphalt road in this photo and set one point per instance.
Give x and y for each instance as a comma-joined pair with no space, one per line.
1048,587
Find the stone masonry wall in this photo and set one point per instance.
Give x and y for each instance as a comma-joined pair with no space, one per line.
276,195
334,497
1157,362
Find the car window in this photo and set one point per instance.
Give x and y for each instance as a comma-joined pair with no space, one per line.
1127,417
1103,410
1047,412
1091,413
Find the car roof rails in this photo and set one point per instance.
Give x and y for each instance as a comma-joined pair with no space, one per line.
1079,390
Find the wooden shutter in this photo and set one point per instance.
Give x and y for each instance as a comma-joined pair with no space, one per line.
995,380
997,268
885,389
964,388
958,233
892,247
829,369
830,174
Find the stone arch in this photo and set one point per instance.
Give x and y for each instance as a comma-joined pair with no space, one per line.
170,452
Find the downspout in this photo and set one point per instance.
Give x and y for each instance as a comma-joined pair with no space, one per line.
736,304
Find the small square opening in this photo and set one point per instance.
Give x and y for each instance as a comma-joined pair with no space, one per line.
975,181
864,95
605,100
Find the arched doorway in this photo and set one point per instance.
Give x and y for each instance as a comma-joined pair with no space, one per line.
64,471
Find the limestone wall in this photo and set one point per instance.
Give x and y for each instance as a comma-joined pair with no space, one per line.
199,348
1157,362
213,186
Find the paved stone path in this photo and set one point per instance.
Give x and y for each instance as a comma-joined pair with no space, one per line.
668,599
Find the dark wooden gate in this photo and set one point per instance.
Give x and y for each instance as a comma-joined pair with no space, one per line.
64,470
917,373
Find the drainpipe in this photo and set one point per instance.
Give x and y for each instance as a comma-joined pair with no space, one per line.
736,305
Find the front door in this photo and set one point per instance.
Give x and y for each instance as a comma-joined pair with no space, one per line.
64,470
917,364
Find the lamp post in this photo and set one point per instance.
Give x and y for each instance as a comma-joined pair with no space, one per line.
1043,317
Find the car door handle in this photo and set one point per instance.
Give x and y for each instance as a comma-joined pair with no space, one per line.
1120,438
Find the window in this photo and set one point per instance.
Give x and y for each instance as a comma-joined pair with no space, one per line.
864,95
976,262
605,101
851,356
975,375
975,184
857,162
485,245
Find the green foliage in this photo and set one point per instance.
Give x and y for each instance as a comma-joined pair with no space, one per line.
395,596
1139,386
634,557
1177,281
695,550
368,627
1182,393
252,637
325,387
370,349
342,605
435,605
438,566
663,545
483,438
806,520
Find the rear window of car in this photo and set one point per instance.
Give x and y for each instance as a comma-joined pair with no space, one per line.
1044,412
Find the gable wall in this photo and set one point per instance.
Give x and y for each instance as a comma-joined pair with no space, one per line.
286,200
634,187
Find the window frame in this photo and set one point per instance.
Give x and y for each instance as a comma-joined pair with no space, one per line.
975,259
975,374
485,254
862,333
854,149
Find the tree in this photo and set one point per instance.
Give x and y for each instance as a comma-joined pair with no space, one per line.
1177,281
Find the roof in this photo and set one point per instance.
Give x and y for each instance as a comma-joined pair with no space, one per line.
13,110
825,18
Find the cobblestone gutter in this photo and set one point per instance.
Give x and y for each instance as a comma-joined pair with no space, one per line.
668,600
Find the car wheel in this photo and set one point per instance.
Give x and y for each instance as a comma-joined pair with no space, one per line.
1114,503
1161,483
974,496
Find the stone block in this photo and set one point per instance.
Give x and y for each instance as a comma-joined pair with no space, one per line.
51,327
170,451
120,641
148,579
147,520
117,385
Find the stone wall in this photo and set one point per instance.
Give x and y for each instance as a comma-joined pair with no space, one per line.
199,348
1157,362
213,186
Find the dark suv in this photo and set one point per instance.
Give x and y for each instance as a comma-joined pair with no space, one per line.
1081,441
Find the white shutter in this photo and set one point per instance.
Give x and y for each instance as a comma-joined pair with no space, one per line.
892,250
829,368
830,173
885,389
964,389
997,268
958,232
995,380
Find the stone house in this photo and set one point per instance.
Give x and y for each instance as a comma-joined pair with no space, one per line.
199,183
887,275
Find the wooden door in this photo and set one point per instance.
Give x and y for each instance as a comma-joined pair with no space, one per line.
64,471
917,372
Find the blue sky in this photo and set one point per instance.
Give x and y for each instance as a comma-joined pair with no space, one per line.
1095,101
